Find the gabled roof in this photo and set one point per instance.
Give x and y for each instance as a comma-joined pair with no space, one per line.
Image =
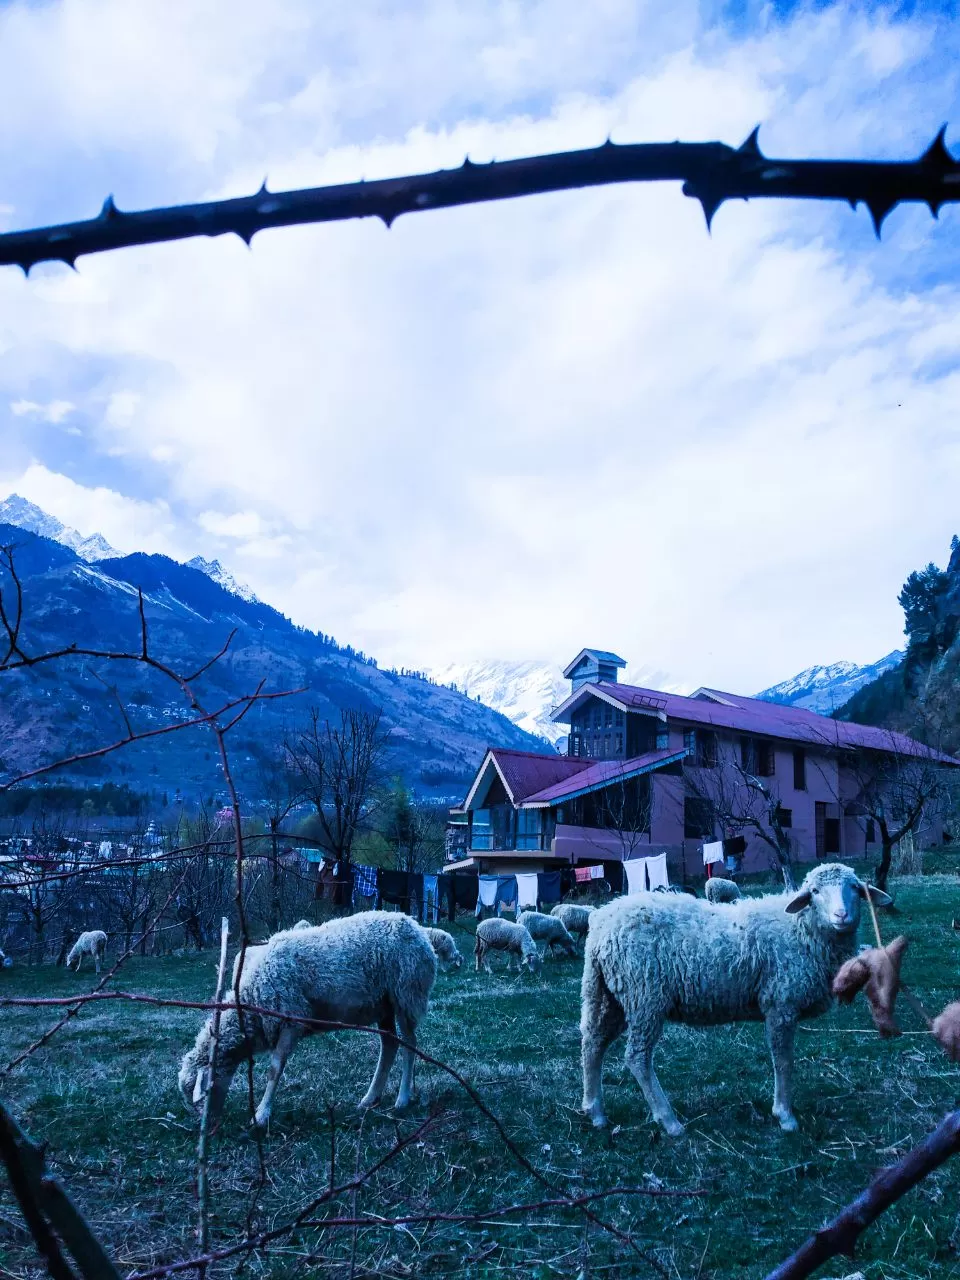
618,695
525,772
733,711
601,655
600,774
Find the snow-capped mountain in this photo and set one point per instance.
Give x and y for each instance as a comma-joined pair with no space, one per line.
26,515
825,689
527,692
215,570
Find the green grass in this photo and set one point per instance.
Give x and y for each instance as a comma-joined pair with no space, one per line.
103,1094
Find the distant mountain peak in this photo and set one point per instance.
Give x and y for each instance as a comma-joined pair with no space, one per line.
825,689
215,571
27,515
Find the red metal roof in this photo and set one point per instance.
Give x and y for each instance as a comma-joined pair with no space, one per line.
601,773
770,719
526,772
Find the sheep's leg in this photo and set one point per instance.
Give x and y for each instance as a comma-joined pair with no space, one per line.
601,1021
408,1033
388,1051
286,1043
780,1037
641,1042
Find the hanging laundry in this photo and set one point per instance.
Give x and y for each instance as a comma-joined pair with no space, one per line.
506,894
657,872
431,899
548,887
712,853
735,848
589,873
486,892
395,888
635,870
365,881
527,891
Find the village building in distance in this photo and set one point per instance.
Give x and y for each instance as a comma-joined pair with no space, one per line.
646,772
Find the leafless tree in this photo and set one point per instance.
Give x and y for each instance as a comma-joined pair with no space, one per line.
415,829
282,791
338,768
736,802
623,810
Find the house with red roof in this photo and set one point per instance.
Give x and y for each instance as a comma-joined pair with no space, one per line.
647,772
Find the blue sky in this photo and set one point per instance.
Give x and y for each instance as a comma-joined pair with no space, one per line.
512,430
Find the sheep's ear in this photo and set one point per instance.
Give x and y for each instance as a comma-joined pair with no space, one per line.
799,903
199,1086
880,899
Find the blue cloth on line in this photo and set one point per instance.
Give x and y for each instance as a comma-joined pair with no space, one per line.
365,881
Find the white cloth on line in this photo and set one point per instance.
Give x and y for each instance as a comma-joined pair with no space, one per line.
488,891
636,873
712,853
657,872
526,891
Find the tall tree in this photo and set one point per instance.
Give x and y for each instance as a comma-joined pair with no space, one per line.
339,769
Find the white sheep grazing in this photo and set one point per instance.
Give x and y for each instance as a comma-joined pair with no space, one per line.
445,948
653,958
374,968
92,943
503,935
718,889
576,918
548,929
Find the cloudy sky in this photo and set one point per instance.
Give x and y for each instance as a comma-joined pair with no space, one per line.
512,430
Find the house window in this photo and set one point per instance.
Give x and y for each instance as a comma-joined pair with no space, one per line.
785,816
697,818
619,744
606,745
766,760
748,755
619,718
576,745
831,835
598,717
706,748
663,739
608,717
799,769
690,742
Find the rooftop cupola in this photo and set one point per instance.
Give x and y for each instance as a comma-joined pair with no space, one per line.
591,666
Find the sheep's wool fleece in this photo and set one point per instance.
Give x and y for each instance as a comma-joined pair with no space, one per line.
346,970
544,928
442,943
504,935
704,967
576,919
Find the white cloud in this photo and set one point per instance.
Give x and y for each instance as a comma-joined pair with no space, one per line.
54,412
241,524
517,428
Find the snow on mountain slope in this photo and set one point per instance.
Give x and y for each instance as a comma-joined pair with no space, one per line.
26,515
527,692
215,570
825,688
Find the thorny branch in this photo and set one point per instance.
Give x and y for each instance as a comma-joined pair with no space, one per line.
711,172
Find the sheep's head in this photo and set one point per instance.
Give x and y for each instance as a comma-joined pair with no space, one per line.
190,1079
194,1077
531,960
834,894
457,961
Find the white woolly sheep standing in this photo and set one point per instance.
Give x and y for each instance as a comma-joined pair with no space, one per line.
653,958
576,918
445,948
374,968
548,929
718,889
92,943
503,935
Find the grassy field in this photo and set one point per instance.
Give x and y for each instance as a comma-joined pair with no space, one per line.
103,1095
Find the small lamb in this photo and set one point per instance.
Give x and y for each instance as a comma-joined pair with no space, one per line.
653,958
445,948
718,889
548,929
576,918
92,943
504,935
374,968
